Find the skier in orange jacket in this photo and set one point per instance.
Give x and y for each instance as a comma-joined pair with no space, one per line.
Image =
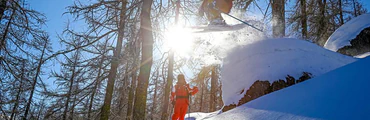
213,10
180,97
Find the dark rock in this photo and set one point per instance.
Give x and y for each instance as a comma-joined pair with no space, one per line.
277,85
290,80
260,88
229,107
305,76
359,45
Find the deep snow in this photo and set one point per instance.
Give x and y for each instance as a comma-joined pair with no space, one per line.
362,55
274,59
341,94
348,31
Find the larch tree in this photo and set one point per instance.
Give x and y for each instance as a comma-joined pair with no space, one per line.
214,80
278,18
146,36
169,81
303,11
115,61
22,42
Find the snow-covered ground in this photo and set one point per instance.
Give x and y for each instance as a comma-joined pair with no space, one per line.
274,59
341,94
200,115
363,55
345,33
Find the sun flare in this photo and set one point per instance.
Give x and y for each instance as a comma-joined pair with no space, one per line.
180,40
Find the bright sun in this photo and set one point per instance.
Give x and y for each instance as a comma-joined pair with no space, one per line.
180,40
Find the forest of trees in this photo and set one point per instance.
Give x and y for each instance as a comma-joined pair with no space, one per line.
115,69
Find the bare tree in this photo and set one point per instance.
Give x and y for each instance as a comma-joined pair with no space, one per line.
22,42
170,71
304,18
2,8
214,79
113,71
278,18
38,70
146,36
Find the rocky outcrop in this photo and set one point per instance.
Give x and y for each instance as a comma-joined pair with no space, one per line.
359,45
260,88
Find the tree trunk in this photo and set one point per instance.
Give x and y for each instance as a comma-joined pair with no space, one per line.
105,110
154,98
131,94
146,37
322,22
201,97
70,90
354,8
7,28
97,83
304,19
15,107
278,18
341,12
133,82
170,73
221,103
122,92
35,80
2,8
214,78
72,112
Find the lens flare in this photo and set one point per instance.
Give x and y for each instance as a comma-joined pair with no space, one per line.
180,40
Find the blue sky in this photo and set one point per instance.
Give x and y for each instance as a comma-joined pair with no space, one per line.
56,21
53,9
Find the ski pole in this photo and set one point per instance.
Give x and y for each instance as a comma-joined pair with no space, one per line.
189,107
239,20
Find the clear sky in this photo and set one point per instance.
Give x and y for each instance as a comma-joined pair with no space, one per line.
53,9
56,21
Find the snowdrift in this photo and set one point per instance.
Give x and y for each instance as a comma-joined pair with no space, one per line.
348,31
274,59
342,94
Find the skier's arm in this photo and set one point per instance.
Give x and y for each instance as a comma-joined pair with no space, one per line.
172,93
193,90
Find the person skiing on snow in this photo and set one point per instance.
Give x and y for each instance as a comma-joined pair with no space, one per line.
213,10
180,97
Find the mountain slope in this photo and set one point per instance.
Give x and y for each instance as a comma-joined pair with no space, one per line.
343,93
271,60
347,32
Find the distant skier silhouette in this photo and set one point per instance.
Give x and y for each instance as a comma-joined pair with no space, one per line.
180,97
213,10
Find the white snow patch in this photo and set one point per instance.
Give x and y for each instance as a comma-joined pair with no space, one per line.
363,55
200,115
348,31
274,59
342,94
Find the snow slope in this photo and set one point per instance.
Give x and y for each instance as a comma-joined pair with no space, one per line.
363,55
341,94
274,59
348,31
